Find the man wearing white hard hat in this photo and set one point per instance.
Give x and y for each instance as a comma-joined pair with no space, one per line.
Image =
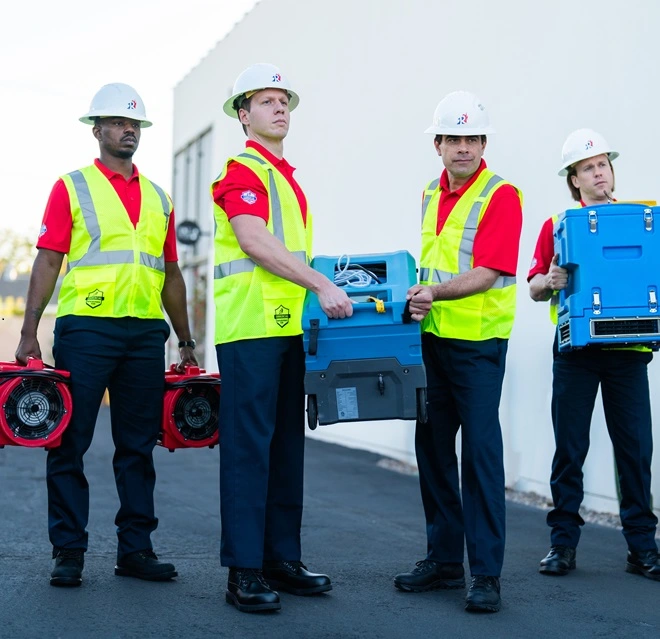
622,376
262,251
471,224
116,229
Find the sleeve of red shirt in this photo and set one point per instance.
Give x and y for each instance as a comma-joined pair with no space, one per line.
544,251
56,225
497,241
169,250
241,192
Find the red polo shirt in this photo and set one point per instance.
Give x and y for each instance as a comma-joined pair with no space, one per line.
497,241
241,192
57,222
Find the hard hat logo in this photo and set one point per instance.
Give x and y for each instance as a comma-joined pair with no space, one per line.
132,105
277,78
463,118
589,145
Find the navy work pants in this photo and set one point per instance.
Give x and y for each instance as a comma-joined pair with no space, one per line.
622,376
464,381
262,445
127,356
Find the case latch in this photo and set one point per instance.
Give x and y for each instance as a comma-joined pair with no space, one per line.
593,221
596,305
648,219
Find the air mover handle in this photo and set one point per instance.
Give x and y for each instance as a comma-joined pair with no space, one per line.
188,370
34,363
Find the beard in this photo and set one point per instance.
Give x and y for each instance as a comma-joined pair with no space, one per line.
125,154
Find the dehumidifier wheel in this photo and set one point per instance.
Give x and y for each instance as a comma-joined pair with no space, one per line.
312,412
422,413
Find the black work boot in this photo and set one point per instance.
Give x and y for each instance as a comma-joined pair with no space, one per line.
644,562
558,561
293,577
484,594
431,575
144,565
248,591
68,567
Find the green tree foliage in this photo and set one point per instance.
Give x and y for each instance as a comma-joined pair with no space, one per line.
17,253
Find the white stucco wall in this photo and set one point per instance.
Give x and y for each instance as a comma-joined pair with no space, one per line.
370,73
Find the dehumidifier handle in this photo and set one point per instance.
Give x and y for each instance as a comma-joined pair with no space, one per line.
313,336
406,317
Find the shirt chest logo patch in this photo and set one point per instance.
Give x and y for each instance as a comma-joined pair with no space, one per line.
249,196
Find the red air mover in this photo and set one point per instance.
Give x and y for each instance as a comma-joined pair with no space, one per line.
36,404
190,409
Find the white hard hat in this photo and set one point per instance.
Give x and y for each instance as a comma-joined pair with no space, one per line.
460,113
583,144
116,100
255,78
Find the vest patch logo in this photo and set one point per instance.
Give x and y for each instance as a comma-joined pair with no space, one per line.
462,118
282,316
249,197
95,298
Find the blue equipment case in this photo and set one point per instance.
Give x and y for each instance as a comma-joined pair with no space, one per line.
612,254
368,366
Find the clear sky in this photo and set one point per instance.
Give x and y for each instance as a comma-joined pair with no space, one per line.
55,55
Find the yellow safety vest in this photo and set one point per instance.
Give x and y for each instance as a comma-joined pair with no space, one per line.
251,302
114,269
445,256
554,300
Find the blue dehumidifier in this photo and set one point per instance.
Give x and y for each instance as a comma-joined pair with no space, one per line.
612,254
368,366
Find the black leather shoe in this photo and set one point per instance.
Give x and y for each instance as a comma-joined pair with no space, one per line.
144,565
293,577
558,561
68,567
247,590
483,595
431,575
643,562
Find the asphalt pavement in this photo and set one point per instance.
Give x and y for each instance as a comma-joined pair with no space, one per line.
362,524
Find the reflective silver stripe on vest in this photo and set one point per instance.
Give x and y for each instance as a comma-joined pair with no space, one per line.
246,265
471,223
429,194
275,204
440,277
95,256
163,201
